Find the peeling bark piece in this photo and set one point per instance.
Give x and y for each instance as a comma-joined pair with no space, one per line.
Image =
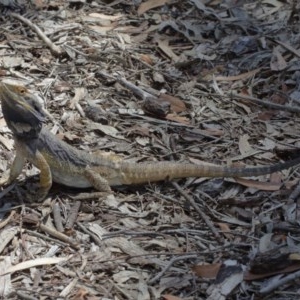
270,261
155,107
228,278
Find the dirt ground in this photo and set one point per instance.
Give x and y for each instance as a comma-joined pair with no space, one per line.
188,81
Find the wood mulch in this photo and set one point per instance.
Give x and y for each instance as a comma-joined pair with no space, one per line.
214,81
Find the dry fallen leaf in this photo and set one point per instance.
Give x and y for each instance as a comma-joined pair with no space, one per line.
80,94
176,118
146,58
101,29
263,186
6,286
150,225
106,129
106,17
34,263
163,44
244,145
177,105
242,76
11,61
145,6
6,142
207,271
248,276
225,230
277,62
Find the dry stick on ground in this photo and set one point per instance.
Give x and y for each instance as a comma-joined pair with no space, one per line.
55,50
94,237
73,215
275,284
252,99
59,236
45,237
150,102
267,104
135,89
158,121
169,265
198,210
57,217
8,219
286,46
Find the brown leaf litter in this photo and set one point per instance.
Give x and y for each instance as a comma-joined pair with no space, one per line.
213,81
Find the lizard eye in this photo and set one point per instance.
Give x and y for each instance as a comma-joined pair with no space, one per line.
22,91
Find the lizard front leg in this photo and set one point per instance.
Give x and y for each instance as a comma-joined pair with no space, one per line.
96,180
15,169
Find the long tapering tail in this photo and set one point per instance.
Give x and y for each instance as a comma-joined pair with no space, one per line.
151,172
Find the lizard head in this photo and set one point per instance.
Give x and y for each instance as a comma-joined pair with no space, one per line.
22,110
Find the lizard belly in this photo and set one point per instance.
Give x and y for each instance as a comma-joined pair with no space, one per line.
74,180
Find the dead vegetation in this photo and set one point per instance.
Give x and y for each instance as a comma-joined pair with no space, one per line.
194,80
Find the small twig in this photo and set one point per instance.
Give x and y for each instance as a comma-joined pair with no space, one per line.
207,196
158,121
169,265
267,103
287,144
275,284
90,196
57,218
198,210
93,236
135,89
151,103
55,50
80,93
73,215
8,219
130,233
59,235
286,46
45,237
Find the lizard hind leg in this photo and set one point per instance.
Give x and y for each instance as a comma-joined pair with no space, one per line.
97,181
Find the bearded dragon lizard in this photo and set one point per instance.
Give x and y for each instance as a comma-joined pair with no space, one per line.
62,163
